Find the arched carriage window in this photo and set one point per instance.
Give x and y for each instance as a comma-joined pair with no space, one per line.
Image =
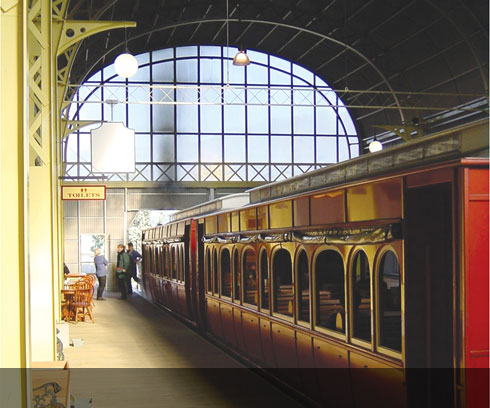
282,278
208,270
225,273
303,288
236,277
215,272
182,264
264,280
361,297
249,277
329,289
390,333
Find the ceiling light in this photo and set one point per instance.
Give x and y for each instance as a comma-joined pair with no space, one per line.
375,146
241,59
126,65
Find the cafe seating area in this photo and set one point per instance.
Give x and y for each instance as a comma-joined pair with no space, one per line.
77,298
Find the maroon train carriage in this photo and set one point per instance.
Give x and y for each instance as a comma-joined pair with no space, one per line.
361,284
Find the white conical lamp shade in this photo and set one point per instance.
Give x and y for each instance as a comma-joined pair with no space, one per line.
241,59
125,65
375,146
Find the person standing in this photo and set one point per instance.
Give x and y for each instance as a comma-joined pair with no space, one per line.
122,269
134,258
101,272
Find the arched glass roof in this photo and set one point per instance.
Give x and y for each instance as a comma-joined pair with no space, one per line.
199,118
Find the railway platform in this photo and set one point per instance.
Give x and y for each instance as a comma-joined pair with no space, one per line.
137,355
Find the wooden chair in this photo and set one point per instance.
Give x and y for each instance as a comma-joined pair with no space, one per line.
82,300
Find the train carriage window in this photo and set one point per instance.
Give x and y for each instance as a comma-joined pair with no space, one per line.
390,313
225,273
329,290
166,268
361,297
282,278
174,263
159,260
250,277
162,261
236,277
264,281
215,272
303,288
208,270
182,263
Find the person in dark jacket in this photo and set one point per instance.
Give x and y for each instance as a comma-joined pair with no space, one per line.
122,269
101,272
134,259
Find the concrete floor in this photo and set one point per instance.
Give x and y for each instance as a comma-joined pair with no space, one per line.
136,355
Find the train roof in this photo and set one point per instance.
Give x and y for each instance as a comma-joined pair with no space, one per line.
221,204
462,141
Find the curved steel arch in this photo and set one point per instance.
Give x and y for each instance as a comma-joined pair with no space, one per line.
289,26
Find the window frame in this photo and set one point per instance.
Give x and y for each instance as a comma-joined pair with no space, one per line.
274,251
354,340
317,328
382,251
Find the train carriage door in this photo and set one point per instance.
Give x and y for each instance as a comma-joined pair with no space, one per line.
429,280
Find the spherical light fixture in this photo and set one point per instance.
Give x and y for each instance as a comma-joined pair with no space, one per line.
375,146
126,65
241,59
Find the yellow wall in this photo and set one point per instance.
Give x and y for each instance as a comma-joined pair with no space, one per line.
14,332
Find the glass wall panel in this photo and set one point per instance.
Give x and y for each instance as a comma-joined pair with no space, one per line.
163,148
211,119
211,148
163,72
187,148
326,149
281,149
235,149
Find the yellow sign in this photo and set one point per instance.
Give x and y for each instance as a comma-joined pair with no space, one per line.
83,192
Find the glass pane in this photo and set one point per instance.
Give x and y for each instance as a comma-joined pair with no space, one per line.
142,147
361,297
236,274
304,149
303,288
303,119
225,273
210,70
210,50
280,78
215,273
390,322
282,276
330,304
139,113
186,51
280,63
256,74
257,56
234,119
186,70
326,149
258,119
187,148
344,152
163,118
250,277
211,148
211,119
163,72
234,149
303,73
85,147
141,75
163,148
187,118
258,149
264,279
164,54
326,121
281,149
281,119
208,270
347,121
71,146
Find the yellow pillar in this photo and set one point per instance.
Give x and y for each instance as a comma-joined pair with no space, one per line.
14,327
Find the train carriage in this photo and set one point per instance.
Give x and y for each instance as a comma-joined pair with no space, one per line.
365,283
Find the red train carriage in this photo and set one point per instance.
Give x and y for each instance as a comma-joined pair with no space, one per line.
379,263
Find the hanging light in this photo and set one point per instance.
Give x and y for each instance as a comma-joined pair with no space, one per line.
375,146
126,64
241,59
